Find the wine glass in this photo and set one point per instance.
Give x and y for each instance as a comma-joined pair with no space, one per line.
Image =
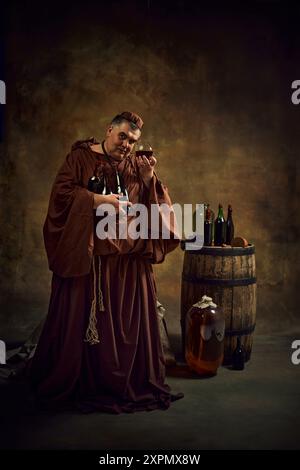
143,148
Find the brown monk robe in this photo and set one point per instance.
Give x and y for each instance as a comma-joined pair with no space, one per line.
100,347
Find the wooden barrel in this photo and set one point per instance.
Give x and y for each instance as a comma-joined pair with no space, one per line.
228,275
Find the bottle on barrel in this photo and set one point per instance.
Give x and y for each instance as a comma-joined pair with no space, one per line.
212,219
229,226
220,228
208,227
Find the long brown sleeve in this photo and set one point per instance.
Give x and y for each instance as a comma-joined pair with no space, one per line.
158,194
68,228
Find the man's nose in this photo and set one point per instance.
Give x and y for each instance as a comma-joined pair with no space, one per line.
125,143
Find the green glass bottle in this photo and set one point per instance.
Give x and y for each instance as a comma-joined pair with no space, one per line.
220,228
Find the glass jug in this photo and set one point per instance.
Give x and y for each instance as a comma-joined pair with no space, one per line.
204,342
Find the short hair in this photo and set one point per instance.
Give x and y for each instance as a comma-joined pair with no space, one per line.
130,117
117,120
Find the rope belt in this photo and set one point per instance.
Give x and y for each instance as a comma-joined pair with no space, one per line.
91,335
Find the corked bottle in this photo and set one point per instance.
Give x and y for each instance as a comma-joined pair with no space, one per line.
220,228
208,227
229,227
204,341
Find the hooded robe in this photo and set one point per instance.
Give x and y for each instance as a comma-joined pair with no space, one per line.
100,346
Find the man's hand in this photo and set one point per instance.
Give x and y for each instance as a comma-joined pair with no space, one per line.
111,199
146,168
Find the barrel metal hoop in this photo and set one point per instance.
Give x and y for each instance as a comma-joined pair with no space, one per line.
220,282
222,251
241,332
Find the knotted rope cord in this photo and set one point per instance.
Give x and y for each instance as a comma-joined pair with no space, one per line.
91,335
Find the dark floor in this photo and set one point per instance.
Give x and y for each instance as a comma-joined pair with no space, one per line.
258,408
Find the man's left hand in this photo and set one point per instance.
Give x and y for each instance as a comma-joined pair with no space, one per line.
146,168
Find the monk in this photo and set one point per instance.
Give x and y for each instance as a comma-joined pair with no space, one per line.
100,348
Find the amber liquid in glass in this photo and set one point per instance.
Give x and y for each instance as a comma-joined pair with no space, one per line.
203,367
204,356
147,153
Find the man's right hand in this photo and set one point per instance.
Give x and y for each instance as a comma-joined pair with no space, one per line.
112,199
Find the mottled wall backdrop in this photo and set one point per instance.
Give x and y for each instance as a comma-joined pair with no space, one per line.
213,87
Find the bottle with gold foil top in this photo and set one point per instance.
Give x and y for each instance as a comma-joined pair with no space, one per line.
204,341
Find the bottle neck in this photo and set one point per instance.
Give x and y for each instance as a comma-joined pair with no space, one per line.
207,215
220,213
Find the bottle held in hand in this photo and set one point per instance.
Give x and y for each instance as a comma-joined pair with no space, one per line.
97,183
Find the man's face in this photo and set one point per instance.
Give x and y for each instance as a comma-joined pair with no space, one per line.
120,140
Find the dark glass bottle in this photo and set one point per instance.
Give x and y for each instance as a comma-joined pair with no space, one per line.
220,226
208,227
97,183
212,218
238,356
229,226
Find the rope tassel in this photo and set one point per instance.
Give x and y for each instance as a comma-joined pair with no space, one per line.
91,335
